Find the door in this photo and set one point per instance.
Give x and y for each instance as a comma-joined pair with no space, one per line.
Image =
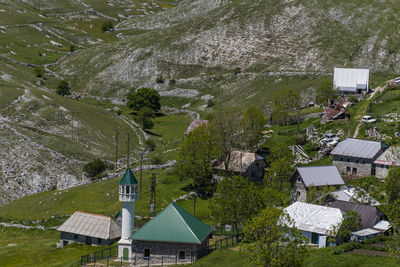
314,238
88,240
373,169
125,254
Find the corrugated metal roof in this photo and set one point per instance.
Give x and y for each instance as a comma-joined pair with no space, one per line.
369,215
351,195
93,225
346,79
195,123
366,232
128,178
320,175
314,218
382,226
389,157
173,224
357,148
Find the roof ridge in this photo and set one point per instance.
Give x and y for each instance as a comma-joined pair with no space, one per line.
180,215
101,215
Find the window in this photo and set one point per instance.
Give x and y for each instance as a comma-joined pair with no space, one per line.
354,170
75,236
348,160
298,179
182,255
146,253
127,189
348,169
341,159
357,161
99,240
363,161
298,194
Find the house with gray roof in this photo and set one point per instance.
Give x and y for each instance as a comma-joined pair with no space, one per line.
89,229
351,81
354,158
305,177
173,234
389,158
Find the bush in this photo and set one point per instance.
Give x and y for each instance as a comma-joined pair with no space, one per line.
72,48
347,247
160,79
301,139
144,118
94,168
107,26
150,144
144,98
210,103
353,99
39,72
172,81
237,71
157,160
63,88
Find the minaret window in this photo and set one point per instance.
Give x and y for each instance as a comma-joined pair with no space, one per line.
127,189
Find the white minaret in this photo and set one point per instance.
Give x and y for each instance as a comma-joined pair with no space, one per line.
128,194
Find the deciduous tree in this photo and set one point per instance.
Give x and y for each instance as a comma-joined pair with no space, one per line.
236,201
351,222
252,124
269,243
144,98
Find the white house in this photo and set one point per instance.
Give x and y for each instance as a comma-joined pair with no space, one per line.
316,222
351,81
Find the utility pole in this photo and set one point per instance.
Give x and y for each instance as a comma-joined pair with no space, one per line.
153,195
141,171
116,150
127,153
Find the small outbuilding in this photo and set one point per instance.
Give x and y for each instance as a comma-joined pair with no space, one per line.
364,234
89,229
355,158
305,177
173,233
351,81
244,163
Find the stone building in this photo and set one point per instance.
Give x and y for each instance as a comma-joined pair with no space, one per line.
243,163
305,177
355,158
89,229
173,234
389,158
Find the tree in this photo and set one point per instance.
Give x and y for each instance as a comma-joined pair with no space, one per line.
94,168
236,201
326,92
392,185
63,88
228,133
281,168
285,105
269,243
195,159
144,98
107,26
252,123
351,222
144,118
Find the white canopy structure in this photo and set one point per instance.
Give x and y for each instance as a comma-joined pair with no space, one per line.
351,80
313,218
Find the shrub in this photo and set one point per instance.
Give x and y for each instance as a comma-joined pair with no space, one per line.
301,139
157,160
119,112
172,81
347,247
144,118
63,88
160,79
144,98
107,26
72,48
353,99
237,70
210,103
150,144
39,72
94,168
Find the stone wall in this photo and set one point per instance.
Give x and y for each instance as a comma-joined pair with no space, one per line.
299,190
165,251
382,171
353,167
255,171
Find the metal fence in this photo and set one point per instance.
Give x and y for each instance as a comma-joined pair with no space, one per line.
109,256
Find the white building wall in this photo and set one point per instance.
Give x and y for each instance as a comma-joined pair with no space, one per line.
128,217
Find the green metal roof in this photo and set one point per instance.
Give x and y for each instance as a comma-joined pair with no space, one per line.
128,178
173,224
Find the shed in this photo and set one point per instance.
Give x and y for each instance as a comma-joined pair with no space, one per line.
370,216
89,229
353,81
364,234
173,232
387,159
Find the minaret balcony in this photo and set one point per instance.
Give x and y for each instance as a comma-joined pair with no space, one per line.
128,197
